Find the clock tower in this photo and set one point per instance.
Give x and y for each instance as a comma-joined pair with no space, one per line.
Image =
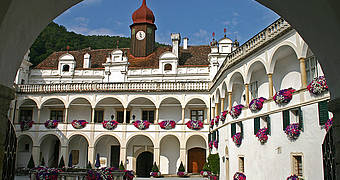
143,32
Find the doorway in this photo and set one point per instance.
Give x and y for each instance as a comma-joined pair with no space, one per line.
196,160
144,164
115,155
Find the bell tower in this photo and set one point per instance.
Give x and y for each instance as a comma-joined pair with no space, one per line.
143,32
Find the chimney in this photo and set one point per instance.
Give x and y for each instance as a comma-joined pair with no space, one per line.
87,61
185,43
176,40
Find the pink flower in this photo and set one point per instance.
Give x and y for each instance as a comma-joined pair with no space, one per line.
236,111
167,124
194,124
237,139
141,125
79,124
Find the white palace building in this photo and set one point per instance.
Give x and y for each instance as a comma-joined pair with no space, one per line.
181,83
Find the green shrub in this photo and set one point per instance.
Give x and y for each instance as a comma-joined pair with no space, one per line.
121,166
61,162
89,165
206,167
181,168
155,168
30,164
214,163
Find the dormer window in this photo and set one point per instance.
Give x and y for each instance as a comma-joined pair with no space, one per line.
66,68
167,67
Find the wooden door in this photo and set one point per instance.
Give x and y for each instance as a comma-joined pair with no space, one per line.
196,160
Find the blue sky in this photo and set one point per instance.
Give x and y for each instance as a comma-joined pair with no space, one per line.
195,19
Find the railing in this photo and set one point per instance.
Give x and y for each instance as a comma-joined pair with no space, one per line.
109,87
272,32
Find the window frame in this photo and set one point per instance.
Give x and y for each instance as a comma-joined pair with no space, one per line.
254,92
241,160
148,114
309,68
63,114
293,164
64,69
96,115
197,114
25,109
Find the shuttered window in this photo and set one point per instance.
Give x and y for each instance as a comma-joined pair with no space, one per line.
209,137
268,125
233,129
286,119
256,125
323,112
241,126
300,119
214,136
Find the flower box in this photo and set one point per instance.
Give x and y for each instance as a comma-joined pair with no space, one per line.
236,111
205,173
26,125
167,124
318,85
328,124
262,135
79,124
110,125
217,120
181,174
212,123
292,131
51,124
194,124
155,174
141,125
284,96
215,143
46,173
239,176
237,139
211,144
224,116
256,104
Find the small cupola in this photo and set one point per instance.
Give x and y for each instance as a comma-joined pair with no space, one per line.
225,44
67,64
87,61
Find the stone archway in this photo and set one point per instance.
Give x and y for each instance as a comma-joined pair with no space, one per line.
144,164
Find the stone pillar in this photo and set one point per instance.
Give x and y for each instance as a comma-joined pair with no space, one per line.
123,155
230,103
216,110
157,116
63,153
91,156
222,105
247,94
66,116
125,114
271,88
213,112
16,114
183,115
92,115
36,155
38,116
303,73
208,114
156,152
182,157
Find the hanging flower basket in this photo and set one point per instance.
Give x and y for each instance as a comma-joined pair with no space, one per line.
155,174
237,139
128,175
167,124
262,135
210,145
224,116
46,173
239,176
284,96
51,124
328,124
236,111
194,124
318,85
110,125
256,104
181,174
216,144
217,120
205,173
293,131
93,175
79,124
26,125
293,177
212,122
141,125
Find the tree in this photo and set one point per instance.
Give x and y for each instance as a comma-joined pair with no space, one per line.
61,162
30,164
214,163
155,167
97,165
121,166
181,168
89,165
206,167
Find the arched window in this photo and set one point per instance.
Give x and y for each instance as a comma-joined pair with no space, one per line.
167,67
66,68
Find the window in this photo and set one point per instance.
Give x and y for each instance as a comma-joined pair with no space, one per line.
241,164
167,67
197,115
293,116
75,157
57,115
25,115
311,68
148,116
213,136
323,112
254,89
297,166
98,116
262,122
120,117
236,128
66,68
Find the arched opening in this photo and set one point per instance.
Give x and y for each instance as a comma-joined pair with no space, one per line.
49,151
196,153
108,148
52,109
80,105
196,110
24,151
28,111
144,164
218,103
143,109
167,67
66,68
224,91
258,82
108,108
286,68
170,109
78,148
238,90
170,153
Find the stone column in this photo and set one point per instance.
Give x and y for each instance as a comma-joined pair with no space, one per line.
90,156
271,89
303,73
66,116
92,115
230,103
63,153
182,157
156,156
183,115
157,116
208,114
125,114
213,112
36,155
216,110
247,94
222,105
123,155
38,116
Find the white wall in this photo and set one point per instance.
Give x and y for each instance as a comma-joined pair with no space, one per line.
287,73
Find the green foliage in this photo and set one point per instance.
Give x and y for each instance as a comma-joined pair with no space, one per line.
155,168
89,165
61,163
30,164
42,163
121,166
181,168
206,167
56,38
214,163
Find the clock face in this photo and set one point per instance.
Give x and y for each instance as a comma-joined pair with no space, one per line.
140,35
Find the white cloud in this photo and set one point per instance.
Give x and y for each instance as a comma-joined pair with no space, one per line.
200,37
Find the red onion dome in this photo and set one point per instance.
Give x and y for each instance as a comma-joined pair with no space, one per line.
143,15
